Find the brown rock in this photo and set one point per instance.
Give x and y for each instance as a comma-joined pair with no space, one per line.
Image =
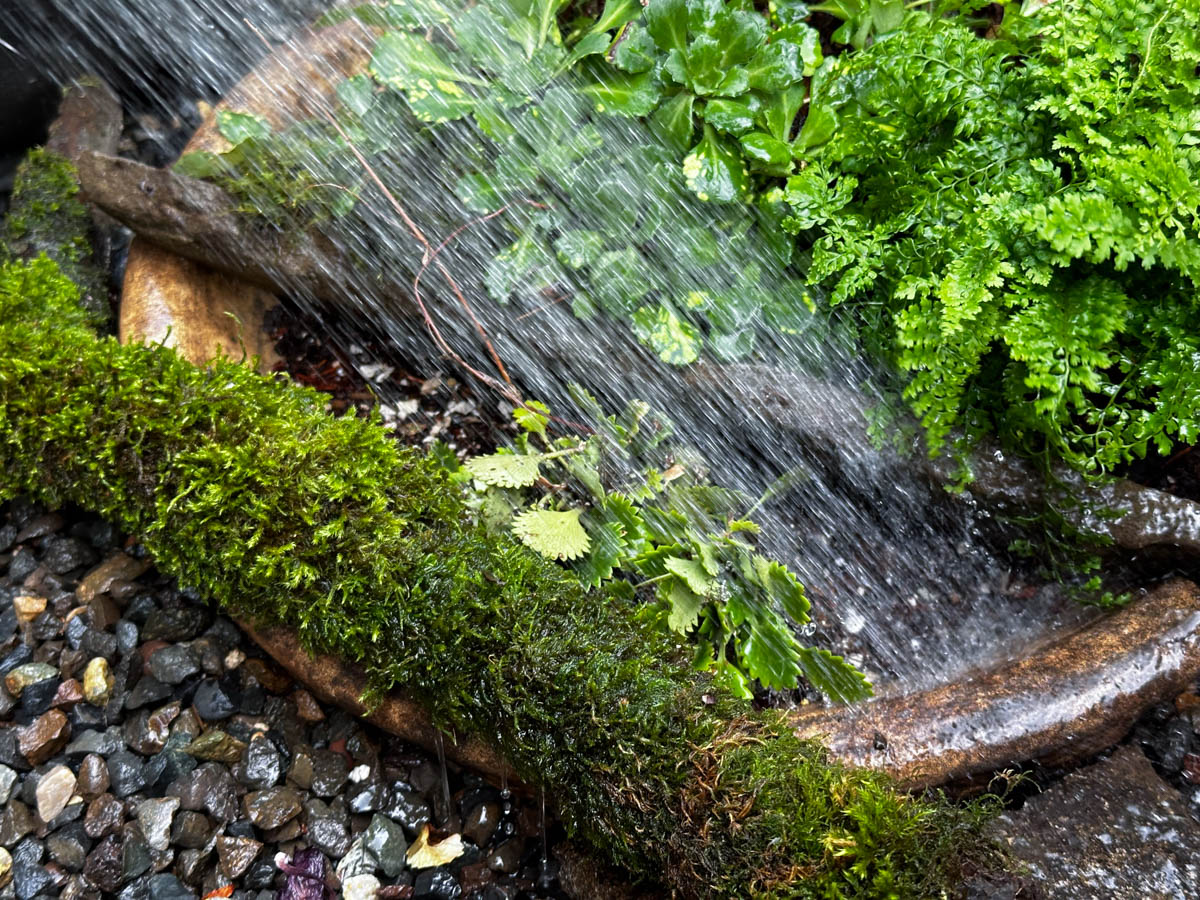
235,854
216,745
103,866
92,780
267,675
272,807
68,694
120,566
43,737
307,707
89,118
104,816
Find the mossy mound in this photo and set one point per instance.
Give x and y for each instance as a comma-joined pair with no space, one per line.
245,488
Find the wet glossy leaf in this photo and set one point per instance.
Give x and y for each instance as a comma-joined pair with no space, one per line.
833,676
713,171
692,572
772,154
554,534
423,854
673,120
357,94
579,247
779,111
674,340
683,606
667,22
607,551
405,61
732,116
625,95
819,127
776,66
510,470
635,50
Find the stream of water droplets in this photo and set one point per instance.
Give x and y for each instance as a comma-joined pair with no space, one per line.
898,573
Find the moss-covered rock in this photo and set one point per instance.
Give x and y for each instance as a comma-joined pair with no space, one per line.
47,217
245,488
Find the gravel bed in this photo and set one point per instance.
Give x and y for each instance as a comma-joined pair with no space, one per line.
149,752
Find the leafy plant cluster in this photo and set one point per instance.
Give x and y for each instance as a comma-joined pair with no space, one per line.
626,513
1016,223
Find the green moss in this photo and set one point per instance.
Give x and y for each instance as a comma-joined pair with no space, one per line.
46,216
243,487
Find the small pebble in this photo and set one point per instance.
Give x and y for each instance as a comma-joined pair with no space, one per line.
98,682
24,676
44,737
53,792
360,887
28,607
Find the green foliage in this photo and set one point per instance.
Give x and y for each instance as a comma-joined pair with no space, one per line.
1017,226
245,489
46,216
617,504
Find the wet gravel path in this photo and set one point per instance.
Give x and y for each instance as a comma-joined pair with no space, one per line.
149,752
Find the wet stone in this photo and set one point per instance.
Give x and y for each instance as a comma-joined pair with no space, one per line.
43,737
16,821
147,691
385,840
300,772
260,875
127,637
360,887
212,703
74,630
7,702
190,830
436,884
167,887
154,817
9,754
104,816
190,865
135,853
69,846
24,676
218,746
173,664
177,624
68,694
373,797
99,643
307,708
261,764
407,807
53,792
105,743
209,789
329,773
326,830
93,776
272,807
22,565
235,855
126,772
37,698
103,866
18,656
66,553
30,880
8,781
506,858
98,681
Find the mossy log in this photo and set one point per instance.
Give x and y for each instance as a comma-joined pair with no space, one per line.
243,487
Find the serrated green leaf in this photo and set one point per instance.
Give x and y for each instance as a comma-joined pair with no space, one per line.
692,572
553,534
783,588
510,470
606,554
405,61
833,676
579,247
533,417
683,605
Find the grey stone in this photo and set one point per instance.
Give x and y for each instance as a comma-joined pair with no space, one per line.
407,807
329,773
177,624
385,840
22,564
326,830
127,637
99,643
190,830
173,664
104,743
103,866
209,789
37,697
1111,831
167,887
66,553
261,765
260,875
371,797
29,880
212,703
8,780
154,817
436,884
135,853
138,889
127,773
69,846
148,690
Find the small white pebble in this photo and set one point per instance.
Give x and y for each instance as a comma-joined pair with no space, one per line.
854,622
360,773
360,887
233,659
